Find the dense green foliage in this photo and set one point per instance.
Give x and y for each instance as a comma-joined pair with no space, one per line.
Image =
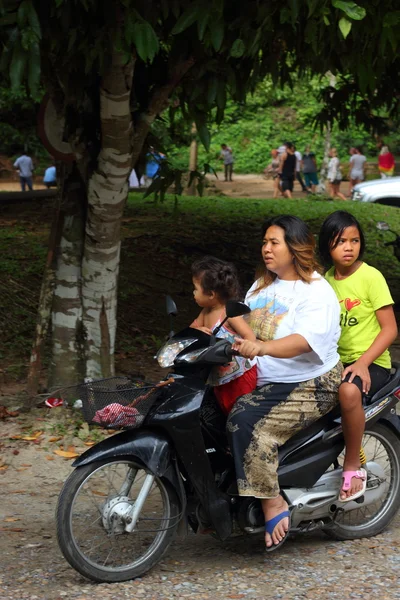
270,116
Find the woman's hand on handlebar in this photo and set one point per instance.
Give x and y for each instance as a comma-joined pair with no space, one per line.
248,349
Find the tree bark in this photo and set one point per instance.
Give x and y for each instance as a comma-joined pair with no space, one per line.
107,195
68,361
45,304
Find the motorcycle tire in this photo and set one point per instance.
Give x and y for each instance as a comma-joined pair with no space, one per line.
378,521
90,535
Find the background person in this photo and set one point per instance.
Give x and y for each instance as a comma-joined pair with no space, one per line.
386,162
227,157
287,170
299,178
310,170
357,161
24,166
273,169
295,316
334,175
368,327
153,161
50,177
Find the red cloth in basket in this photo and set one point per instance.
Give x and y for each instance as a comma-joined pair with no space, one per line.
116,415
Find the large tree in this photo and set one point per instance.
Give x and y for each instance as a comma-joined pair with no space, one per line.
112,66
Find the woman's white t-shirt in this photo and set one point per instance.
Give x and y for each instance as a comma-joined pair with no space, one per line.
286,307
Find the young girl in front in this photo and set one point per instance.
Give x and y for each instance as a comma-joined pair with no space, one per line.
215,282
368,327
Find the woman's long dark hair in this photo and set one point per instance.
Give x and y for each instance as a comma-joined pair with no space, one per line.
301,244
331,231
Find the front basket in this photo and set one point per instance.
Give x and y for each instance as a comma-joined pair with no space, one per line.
114,403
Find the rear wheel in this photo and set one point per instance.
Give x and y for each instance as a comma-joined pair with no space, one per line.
382,449
94,508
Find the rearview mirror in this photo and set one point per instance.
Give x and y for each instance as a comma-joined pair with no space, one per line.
382,226
172,311
235,309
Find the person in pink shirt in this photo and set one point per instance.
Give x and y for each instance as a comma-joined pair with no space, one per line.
386,162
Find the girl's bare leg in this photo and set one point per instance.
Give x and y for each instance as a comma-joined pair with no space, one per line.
353,424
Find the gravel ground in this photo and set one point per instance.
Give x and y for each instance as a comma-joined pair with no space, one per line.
196,567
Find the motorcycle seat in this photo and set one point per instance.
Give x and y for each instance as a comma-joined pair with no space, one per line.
393,381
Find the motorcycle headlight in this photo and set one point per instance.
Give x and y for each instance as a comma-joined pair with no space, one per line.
192,356
167,354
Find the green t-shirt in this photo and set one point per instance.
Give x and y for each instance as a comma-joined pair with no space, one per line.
360,295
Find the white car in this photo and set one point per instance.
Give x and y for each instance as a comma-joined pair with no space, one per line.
381,191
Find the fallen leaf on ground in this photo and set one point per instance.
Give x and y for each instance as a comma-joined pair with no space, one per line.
33,437
26,465
55,438
16,529
89,443
3,467
11,519
48,457
15,437
4,413
65,454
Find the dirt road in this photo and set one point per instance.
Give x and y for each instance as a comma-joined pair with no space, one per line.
196,567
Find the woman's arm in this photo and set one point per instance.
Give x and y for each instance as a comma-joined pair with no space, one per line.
286,347
385,337
239,325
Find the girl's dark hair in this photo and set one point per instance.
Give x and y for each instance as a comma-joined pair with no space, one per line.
301,244
217,276
331,230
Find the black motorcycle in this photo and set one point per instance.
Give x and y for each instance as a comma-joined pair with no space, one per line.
171,468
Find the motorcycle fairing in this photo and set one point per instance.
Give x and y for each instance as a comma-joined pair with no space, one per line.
152,449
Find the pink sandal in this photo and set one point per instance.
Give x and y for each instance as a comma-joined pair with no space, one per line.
347,477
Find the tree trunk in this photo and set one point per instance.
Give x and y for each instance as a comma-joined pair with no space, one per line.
107,195
45,304
68,362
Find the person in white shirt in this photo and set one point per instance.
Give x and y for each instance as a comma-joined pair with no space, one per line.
299,178
24,166
357,161
227,156
295,315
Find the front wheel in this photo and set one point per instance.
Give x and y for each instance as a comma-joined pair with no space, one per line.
382,449
94,509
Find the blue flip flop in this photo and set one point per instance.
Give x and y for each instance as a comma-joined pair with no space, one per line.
270,526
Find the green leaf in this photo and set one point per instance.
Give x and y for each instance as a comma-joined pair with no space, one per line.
345,27
392,19
187,18
217,34
202,24
212,91
238,48
204,135
145,40
17,66
326,20
34,69
352,10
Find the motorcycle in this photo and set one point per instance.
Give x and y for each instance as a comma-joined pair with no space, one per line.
171,467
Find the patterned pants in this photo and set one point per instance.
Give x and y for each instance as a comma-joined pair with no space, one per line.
265,419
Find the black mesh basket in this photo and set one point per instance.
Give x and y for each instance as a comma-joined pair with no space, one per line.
114,403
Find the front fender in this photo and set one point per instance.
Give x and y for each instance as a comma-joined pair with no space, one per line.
150,448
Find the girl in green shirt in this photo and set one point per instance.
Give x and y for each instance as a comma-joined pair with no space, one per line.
368,327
